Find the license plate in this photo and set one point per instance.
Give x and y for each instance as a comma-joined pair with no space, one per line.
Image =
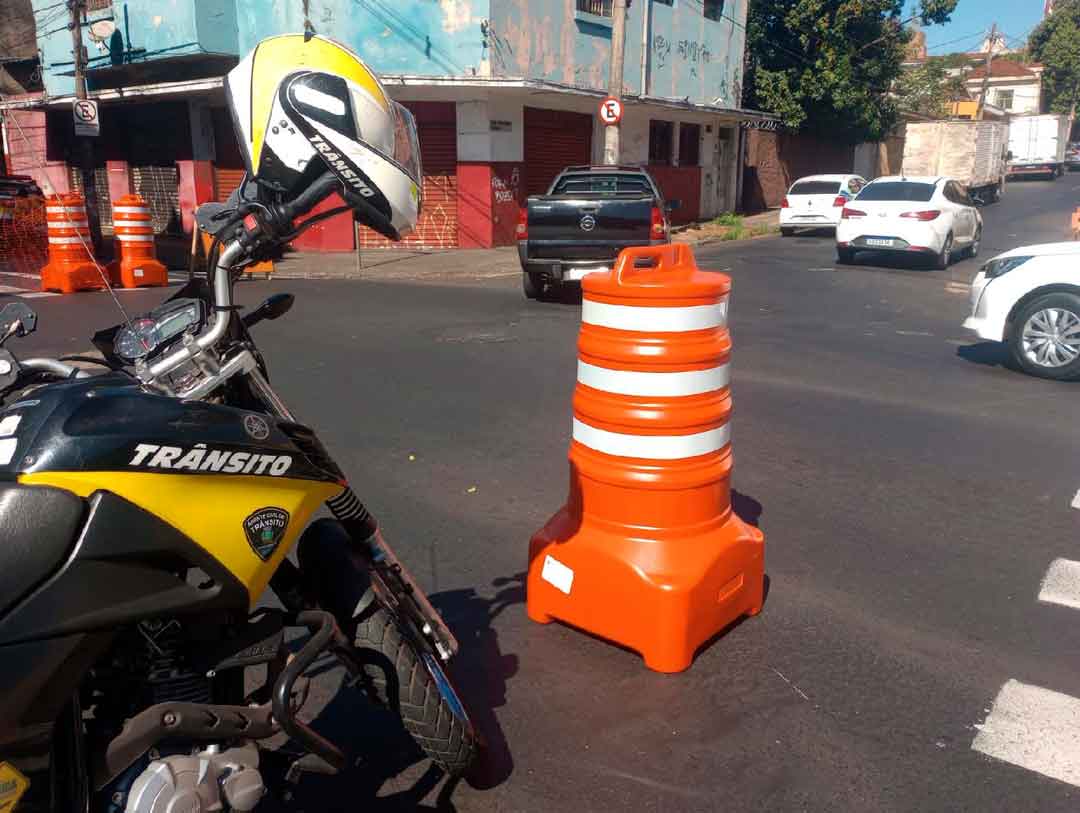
876,241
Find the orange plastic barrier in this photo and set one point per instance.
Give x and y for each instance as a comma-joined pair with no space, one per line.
1076,224
135,264
647,551
70,267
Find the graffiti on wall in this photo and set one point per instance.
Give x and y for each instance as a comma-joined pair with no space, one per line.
505,190
661,49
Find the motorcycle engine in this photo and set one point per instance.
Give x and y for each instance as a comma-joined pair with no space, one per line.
156,662
199,783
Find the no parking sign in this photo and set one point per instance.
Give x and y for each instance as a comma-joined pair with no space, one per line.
611,111
85,112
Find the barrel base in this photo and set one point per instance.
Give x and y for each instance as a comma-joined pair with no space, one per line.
662,597
138,273
67,278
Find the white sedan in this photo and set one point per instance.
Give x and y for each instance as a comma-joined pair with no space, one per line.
1029,298
929,216
816,201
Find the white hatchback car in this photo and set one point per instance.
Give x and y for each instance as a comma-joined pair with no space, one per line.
815,202
1029,298
929,216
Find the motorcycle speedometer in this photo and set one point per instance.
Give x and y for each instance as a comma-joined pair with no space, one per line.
137,340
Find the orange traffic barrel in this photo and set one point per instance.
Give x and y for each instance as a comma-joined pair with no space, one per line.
647,551
135,264
71,266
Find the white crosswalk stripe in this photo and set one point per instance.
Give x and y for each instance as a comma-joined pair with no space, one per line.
1061,584
1034,728
1030,726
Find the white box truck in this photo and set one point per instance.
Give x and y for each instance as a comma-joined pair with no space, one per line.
971,152
1037,145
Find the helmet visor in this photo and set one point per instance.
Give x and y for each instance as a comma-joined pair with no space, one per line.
406,143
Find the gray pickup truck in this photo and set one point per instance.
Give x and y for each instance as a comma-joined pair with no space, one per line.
587,217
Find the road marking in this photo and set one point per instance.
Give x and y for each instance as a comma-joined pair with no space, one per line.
957,287
1035,729
1076,501
37,294
830,268
913,333
958,342
10,289
1061,584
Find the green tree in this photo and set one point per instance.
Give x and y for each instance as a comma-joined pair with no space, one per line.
827,66
928,89
1056,44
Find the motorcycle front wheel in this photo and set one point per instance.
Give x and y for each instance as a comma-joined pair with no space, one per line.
411,682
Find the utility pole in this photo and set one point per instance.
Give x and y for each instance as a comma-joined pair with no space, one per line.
986,72
615,77
84,147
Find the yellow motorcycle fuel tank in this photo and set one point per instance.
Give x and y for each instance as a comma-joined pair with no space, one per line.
239,484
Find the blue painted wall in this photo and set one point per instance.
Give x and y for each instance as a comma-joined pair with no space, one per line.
689,55
429,37
162,28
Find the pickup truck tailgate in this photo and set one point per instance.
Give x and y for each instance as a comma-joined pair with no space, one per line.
587,228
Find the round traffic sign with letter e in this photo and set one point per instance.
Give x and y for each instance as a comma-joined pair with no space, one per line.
610,111
86,110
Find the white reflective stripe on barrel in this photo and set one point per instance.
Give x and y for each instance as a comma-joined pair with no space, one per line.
629,382
69,224
135,238
133,223
59,209
651,447
654,320
66,240
132,210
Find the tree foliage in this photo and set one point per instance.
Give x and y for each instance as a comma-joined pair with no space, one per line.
827,66
928,89
1056,44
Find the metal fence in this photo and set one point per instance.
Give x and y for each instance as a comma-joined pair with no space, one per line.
601,8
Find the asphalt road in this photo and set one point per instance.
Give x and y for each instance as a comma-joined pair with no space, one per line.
913,492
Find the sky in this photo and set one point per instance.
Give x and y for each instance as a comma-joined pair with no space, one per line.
972,20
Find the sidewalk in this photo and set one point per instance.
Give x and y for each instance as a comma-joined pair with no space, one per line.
401,264
730,228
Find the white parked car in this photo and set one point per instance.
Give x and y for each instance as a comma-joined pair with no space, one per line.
929,216
815,202
1029,298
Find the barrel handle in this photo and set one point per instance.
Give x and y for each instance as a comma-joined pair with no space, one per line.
666,257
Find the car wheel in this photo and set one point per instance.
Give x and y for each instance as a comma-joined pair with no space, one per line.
944,257
973,249
845,256
1045,339
533,285
786,231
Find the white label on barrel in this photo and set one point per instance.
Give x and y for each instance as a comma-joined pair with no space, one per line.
138,272
557,574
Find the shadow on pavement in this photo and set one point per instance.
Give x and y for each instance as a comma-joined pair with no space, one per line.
387,771
991,354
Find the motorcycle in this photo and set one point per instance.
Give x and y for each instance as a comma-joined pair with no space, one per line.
144,510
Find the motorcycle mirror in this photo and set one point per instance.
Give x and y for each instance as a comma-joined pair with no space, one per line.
275,306
16,319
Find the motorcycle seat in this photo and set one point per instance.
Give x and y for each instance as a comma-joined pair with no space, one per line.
38,528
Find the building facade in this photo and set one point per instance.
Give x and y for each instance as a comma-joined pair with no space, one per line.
505,93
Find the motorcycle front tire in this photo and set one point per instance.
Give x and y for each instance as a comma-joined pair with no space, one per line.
413,685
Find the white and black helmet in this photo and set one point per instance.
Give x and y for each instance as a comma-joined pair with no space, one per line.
303,105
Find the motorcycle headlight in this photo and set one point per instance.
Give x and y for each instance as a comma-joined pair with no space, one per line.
995,268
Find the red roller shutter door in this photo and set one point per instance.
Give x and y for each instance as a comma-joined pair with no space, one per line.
436,124
554,139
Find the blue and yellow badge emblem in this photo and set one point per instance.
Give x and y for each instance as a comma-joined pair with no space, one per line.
12,787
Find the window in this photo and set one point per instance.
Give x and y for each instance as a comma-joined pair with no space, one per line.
98,5
898,190
689,145
614,184
1003,99
660,142
713,9
601,8
815,188
664,2
854,185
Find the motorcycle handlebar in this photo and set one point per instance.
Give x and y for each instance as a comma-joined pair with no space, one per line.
310,197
